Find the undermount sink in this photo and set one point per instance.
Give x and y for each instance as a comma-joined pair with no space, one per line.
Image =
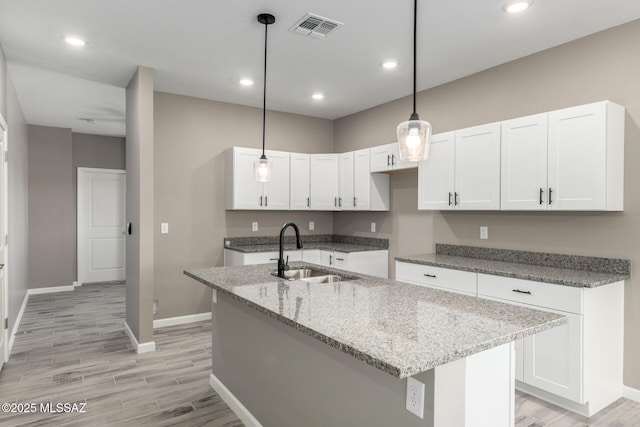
313,276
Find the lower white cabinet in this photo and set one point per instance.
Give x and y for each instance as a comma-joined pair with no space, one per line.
373,263
463,282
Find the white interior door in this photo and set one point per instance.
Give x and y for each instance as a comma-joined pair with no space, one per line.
4,294
101,225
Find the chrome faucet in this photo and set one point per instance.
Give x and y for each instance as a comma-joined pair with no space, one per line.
282,264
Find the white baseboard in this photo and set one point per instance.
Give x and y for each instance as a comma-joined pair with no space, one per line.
50,290
140,348
17,324
181,320
631,393
236,406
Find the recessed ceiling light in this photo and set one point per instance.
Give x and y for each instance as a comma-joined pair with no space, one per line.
75,41
246,82
389,65
318,96
517,6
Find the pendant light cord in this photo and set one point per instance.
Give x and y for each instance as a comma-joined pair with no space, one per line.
415,26
264,91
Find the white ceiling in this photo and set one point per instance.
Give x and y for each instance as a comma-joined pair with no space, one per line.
202,47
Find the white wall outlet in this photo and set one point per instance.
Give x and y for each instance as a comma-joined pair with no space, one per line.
164,228
155,306
484,232
227,242
312,225
214,296
254,226
373,227
415,397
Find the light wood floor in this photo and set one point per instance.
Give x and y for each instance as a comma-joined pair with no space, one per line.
71,347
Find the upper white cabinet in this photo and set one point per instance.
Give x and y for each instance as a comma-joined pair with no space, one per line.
346,197
299,176
324,188
370,190
569,159
385,158
462,171
242,189
524,163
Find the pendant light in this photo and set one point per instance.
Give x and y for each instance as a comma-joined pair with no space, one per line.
414,134
262,166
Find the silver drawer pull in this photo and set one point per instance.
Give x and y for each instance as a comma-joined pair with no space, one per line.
522,292
339,259
430,275
274,259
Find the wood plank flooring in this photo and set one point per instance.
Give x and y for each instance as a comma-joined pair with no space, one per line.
71,347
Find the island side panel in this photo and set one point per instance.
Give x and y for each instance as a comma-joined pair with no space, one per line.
286,378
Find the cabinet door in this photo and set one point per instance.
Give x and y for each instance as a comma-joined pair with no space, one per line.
324,182
346,176
246,192
299,182
577,158
326,258
311,255
276,191
362,180
524,163
477,167
436,174
340,260
553,359
381,158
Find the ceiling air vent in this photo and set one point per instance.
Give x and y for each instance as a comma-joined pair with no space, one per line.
315,26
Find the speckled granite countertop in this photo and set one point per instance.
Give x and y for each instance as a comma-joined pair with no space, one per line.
326,242
399,328
567,270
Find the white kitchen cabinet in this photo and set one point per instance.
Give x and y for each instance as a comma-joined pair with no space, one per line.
463,282
577,365
436,178
462,171
586,157
370,190
324,183
299,185
346,195
477,168
234,258
311,255
569,159
242,189
524,163
385,158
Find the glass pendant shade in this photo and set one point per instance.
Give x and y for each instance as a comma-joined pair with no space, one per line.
413,140
262,167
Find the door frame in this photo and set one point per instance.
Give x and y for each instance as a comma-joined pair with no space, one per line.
4,244
80,212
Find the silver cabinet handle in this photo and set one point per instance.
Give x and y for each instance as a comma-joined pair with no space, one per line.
274,259
393,159
449,198
339,201
308,202
522,292
355,202
541,193
260,200
430,275
266,203
339,259
388,159
550,192
330,259
455,199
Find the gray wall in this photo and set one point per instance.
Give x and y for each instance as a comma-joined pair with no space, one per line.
92,151
51,208
599,67
18,200
191,136
139,166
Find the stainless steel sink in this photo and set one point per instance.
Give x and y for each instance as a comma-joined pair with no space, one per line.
329,278
303,273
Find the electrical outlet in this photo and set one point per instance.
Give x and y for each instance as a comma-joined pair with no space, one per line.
312,225
155,306
254,226
214,296
415,397
373,227
484,232
164,228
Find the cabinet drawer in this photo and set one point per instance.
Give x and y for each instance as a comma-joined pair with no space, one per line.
547,295
340,260
270,257
455,280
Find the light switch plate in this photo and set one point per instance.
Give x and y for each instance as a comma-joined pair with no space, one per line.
164,228
254,226
312,225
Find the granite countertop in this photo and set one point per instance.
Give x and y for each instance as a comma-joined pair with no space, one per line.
399,328
327,242
567,270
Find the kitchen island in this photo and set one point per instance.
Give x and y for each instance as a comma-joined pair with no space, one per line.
301,353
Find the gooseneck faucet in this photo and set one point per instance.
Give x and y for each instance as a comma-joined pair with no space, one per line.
282,264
